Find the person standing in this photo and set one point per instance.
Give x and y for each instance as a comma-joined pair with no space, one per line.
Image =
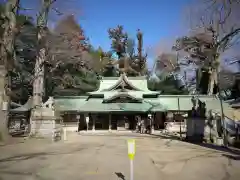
78,122
138,124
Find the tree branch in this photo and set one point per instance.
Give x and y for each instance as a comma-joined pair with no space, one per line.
228,36
52,1
57,11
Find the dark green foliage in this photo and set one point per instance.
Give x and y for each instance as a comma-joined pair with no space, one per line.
110,71
167,86
67,79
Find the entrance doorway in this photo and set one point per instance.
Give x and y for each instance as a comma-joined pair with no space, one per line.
101,122
123,122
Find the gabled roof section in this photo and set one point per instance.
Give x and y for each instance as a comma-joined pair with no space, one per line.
125,83
140,82
107,82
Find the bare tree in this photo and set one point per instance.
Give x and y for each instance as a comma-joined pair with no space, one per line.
62,46
67,43
167,62
7,61
216,31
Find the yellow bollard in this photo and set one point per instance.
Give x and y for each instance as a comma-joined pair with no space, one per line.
131,154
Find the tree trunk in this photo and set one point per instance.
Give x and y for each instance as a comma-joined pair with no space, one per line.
7,59
4,99
211,82
38,84
213,79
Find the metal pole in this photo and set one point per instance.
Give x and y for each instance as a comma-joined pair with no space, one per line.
180,119
131,169
224,123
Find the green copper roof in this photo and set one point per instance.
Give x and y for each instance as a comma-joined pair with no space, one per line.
162,103
107,82
111,83
26,107
69,104
213,103
96,105
140,82
177,102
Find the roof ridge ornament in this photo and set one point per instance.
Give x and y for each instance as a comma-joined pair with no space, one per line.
122,85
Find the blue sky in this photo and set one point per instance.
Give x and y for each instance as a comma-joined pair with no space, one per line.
161,21
157,19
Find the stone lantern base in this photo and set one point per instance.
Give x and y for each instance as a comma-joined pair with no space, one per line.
44,123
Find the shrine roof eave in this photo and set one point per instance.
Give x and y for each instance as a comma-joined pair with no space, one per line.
143,92
131,96
97,105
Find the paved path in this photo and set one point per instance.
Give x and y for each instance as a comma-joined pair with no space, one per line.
89,157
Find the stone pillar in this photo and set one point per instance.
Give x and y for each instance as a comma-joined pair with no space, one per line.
45,123
110,122
93,126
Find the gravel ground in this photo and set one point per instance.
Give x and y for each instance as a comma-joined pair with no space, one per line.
104,157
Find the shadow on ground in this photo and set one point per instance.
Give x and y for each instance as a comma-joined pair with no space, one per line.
231,157
120,175
232,151
135,135
27,156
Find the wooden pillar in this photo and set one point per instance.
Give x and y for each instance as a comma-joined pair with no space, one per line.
86,118
110,122
93,119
